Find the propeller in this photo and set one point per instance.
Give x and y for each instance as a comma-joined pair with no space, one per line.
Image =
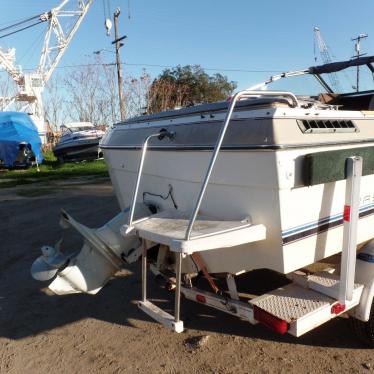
46,266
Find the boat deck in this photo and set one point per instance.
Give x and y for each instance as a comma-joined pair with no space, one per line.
169,228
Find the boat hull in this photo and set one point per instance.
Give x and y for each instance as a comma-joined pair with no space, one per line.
304,224
87,150
259,174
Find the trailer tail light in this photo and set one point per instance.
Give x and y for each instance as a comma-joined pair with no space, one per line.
201,298
276,324
347,213
337,308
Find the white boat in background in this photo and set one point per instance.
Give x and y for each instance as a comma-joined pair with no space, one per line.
79,141
266,180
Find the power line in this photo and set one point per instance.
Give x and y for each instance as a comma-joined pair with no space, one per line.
32,47
210,69
22,29
19,23
10,22
167,66
158,66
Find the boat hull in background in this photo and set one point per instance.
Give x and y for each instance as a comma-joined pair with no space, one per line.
77,151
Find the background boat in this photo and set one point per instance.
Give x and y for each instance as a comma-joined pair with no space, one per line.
20,143
79,141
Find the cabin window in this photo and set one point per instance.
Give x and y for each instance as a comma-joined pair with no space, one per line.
317,126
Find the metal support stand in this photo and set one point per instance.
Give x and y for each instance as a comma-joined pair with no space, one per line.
144,272
231,284
171,322
350,217
178,278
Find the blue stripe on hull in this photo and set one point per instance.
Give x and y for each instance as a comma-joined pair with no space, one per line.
324,224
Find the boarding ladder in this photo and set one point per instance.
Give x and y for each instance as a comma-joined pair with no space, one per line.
188,234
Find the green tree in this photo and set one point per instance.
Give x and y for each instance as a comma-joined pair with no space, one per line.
185,86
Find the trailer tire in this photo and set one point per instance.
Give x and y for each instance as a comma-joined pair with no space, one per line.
365,330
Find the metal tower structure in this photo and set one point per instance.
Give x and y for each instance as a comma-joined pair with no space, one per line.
326,58
57,38
357,41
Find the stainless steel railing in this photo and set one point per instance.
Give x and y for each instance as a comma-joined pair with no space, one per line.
160,135
245,94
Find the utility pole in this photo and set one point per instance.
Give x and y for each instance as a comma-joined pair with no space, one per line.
118,45
358,55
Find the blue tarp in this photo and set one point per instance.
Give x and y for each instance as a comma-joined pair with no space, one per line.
16,128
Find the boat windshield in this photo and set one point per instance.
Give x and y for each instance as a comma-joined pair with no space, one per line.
68,130
81,128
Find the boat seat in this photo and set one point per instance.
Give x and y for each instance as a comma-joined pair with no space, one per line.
169,228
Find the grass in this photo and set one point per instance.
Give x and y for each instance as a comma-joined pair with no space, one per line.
51,170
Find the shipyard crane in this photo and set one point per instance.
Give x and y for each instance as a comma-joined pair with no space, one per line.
57,38
326,58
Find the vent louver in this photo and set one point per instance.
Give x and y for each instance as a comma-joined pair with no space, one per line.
326,125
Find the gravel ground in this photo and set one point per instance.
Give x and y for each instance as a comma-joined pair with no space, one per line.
107,333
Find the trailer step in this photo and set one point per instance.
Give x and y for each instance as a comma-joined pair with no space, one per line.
329,284
302,308
161,316
291,302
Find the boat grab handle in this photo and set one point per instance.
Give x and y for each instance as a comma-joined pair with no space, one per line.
249,93
163,133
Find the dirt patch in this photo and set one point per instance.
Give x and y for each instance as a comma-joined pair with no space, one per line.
107,333
35,192
70,187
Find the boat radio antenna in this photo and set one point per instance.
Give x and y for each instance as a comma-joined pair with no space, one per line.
357,41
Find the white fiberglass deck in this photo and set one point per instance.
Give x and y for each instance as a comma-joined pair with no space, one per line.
169,228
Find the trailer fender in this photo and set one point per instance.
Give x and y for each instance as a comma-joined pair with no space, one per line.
365,275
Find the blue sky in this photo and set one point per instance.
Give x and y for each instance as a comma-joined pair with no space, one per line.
264,36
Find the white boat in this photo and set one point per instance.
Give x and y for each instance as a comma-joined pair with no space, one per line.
265,180
79,141
261,173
